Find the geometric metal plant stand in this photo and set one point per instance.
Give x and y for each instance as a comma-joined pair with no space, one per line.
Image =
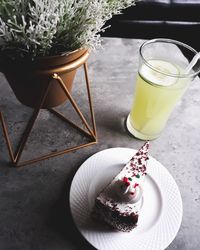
90,132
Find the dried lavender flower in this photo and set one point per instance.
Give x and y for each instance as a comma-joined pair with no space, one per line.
49,27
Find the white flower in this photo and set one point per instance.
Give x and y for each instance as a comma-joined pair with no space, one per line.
45,27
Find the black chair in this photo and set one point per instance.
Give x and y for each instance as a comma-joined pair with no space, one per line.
176,19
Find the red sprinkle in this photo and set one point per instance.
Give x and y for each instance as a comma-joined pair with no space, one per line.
125,179
135,185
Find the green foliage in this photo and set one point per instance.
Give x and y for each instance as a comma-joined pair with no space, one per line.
49,27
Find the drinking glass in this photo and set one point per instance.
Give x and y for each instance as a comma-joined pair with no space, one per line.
166,68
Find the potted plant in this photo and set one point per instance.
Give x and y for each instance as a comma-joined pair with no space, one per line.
39,35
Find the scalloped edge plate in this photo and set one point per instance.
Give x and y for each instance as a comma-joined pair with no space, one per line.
159,218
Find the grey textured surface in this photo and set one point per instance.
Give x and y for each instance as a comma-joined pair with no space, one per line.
34,206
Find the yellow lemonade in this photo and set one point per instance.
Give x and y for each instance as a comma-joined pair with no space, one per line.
155,97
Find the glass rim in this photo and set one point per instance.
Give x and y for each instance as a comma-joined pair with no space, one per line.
167,40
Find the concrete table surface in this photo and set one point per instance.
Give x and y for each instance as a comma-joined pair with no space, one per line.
34,205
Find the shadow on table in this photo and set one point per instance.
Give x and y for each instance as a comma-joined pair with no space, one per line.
61,221
115,122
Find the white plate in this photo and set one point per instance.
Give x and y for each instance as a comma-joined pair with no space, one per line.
159,218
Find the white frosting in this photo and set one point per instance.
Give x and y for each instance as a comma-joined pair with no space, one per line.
127,193
122,194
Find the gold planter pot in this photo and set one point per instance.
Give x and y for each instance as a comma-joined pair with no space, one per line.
29,79
44,84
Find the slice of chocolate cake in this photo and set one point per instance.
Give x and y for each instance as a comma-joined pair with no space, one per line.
119,203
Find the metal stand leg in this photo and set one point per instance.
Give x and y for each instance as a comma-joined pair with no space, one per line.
91,133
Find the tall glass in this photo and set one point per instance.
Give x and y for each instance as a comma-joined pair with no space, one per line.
162,79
